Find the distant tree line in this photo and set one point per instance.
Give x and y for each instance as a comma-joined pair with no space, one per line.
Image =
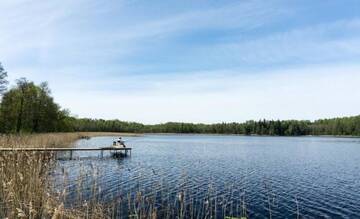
339,126
30,108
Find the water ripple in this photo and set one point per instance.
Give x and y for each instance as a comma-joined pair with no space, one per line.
281,177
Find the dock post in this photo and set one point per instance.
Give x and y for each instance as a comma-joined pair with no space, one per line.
102,154
71,154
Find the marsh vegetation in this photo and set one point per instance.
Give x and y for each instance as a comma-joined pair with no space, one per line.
30,183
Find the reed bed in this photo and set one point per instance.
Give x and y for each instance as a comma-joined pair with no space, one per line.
156,199
33,185
25,177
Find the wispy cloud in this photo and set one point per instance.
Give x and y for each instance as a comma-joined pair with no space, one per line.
63,27
228,60
245,15
327,42
224,96
29,26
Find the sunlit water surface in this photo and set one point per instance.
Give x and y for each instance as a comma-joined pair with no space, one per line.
281,177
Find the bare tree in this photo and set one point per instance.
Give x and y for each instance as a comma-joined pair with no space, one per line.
3,81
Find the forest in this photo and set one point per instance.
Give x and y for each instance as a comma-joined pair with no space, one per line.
30,108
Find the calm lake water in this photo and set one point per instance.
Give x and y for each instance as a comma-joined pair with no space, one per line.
284,177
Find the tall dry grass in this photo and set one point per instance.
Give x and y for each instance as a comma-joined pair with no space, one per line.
26,188
24,178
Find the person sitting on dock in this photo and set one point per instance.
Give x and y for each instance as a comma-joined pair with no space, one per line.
121,142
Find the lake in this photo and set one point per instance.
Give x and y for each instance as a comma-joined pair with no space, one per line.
221,175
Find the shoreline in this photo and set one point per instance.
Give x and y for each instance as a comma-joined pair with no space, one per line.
99,134
129,134
87,135
253,135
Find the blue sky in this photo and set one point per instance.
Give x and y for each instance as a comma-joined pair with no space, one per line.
192,61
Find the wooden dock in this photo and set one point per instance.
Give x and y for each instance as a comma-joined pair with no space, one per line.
71,150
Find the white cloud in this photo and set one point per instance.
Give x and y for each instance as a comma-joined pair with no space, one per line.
305,93
69,28
244,15
312,44
92,55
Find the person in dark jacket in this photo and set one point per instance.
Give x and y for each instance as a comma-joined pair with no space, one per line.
121,142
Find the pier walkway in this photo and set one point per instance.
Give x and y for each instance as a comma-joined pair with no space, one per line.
71,150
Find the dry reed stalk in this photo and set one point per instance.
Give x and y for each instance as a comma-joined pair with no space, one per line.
24,178
25,188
